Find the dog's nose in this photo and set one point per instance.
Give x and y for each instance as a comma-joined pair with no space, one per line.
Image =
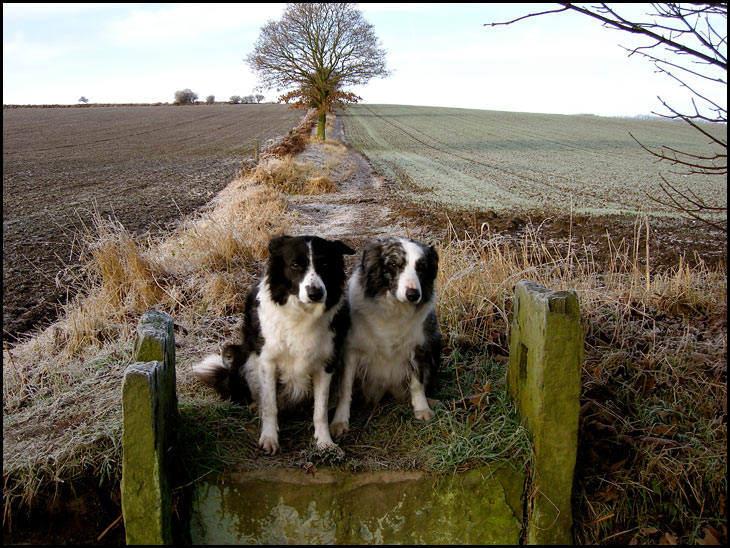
413,294
315,293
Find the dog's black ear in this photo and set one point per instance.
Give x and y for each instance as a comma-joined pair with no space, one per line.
432,261
372,270
343,248
276,243
433,254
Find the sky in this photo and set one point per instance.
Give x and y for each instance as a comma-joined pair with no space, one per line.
439,55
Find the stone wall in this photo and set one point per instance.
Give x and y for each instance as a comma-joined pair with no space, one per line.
290,506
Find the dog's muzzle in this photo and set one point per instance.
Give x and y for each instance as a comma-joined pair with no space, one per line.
315,293
413,295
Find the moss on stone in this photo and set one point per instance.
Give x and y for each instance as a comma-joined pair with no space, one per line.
330,507
546,356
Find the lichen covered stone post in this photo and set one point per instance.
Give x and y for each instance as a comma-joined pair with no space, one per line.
546,356
149,407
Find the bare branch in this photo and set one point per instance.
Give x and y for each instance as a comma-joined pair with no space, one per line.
688,119
694,36
679,201
637,28
526,16
697,163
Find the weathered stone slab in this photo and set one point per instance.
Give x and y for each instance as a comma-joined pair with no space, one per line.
546,356
289,506
155,341
149,407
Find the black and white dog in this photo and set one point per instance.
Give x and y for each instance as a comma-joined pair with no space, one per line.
394,342
295,322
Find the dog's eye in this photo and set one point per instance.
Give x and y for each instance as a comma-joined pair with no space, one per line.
391,266
295,265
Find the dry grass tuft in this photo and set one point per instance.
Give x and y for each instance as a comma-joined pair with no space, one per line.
293,177
118,264
653,433
235,231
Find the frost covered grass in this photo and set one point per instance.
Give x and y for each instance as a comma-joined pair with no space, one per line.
488,160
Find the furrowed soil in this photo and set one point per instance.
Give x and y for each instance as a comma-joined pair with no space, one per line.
147,166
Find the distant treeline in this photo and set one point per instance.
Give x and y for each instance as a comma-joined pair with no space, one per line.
87,105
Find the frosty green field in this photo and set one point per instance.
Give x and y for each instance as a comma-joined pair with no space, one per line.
509,161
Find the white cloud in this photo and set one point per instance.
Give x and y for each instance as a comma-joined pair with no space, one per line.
185,22
20,52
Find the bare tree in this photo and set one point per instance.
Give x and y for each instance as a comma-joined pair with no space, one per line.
689,44
318,49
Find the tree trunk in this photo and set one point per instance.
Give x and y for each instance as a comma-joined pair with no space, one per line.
320,124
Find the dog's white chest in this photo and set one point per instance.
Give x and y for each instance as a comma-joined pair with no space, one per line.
297,336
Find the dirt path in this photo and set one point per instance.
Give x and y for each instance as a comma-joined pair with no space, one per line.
361,210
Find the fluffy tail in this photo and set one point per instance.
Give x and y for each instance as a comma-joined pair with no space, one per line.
212,371
225,374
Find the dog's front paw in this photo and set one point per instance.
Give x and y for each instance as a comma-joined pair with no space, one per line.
269,444
339,428
330,447
424,414
327,452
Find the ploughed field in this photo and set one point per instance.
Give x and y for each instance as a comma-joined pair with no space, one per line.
144,165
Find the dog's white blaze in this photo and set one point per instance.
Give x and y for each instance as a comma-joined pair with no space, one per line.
409,277
311,279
